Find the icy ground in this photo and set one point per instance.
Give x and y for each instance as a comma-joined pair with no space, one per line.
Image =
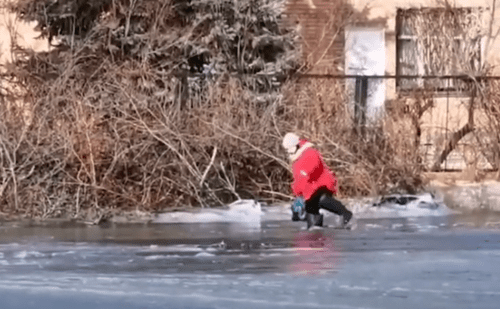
401,255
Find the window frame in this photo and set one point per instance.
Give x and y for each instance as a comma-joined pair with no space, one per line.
419,82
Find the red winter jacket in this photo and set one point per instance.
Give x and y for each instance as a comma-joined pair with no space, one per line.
310,172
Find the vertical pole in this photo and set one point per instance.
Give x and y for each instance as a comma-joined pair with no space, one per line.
447,115
360,101
364,97
357,103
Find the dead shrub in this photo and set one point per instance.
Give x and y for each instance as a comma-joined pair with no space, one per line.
114,120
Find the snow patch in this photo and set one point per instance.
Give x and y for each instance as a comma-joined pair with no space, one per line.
251,213
271,254
399,289
204,254
62,253
403,206
485,195
161,257
175,248
28,254
357,288
108,279
242,211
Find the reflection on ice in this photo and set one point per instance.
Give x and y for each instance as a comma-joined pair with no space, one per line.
316,254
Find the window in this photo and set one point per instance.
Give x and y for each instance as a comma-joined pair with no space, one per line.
438,42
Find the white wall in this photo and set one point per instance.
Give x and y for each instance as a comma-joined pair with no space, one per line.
386,9
448,113
26,35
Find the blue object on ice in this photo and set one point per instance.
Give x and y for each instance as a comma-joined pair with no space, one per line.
298,204
299,209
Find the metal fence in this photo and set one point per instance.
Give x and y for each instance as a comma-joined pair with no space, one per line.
448,115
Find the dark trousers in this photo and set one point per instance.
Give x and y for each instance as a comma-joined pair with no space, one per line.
324,199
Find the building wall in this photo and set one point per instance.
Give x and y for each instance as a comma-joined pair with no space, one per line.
26,35
449,113
387,9
318,22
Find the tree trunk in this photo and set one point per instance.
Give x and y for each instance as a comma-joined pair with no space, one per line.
455,138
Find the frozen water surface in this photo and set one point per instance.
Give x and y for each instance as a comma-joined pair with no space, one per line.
401,254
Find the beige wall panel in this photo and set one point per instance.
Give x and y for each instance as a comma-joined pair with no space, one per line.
26,35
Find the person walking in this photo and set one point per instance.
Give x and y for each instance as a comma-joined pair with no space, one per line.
313,181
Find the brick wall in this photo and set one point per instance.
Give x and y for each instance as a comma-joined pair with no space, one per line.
321,29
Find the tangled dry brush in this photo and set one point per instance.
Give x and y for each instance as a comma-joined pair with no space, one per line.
153,105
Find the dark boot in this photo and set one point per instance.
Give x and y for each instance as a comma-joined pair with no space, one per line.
346,217
314,220
329,203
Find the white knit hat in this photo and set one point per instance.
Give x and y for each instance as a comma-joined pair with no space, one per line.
290,142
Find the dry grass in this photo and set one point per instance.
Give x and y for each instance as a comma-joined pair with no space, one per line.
84,150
